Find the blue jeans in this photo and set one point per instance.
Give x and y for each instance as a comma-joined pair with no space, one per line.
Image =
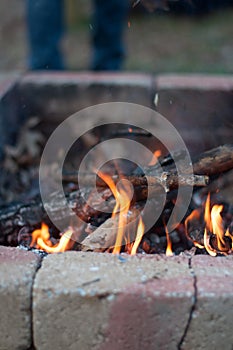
45,21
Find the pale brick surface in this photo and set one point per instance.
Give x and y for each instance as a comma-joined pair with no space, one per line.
100,301
211,324
17,270
195,81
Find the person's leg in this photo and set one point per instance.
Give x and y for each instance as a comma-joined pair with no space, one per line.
45,22
109,22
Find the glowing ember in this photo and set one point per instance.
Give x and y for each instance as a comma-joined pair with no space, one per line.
154,159
41,240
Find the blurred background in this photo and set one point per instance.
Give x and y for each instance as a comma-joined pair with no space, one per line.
186,38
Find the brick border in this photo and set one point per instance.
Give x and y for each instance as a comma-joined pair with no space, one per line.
101,301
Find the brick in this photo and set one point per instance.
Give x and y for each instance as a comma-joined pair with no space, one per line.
94,301
17,270
58,95
211,322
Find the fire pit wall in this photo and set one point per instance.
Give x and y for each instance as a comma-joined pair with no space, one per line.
97,301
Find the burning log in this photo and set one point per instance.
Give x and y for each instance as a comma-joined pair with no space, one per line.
104,236
14,217
212,162
167,180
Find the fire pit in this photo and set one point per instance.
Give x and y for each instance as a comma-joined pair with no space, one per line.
118,301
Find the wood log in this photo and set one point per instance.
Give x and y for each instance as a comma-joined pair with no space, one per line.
212,162
15,216
168,180
104,236
215,161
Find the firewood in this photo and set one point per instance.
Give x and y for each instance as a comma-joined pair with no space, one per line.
212,162
168,180
15,216
104,236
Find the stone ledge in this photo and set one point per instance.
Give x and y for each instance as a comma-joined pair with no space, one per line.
55,96
17,271
195,81
102,301
94,301
87,78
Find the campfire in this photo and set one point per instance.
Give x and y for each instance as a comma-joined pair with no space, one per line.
121,226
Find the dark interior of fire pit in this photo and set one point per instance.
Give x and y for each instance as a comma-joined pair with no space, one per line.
22,211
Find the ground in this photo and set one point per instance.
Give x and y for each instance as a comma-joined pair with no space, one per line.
155,43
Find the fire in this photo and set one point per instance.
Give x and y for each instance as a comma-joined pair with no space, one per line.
154,159
169,251
215,235
139,235
41,240
122,195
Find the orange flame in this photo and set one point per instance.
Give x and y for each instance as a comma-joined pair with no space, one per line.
41,240
169,251
213,226
122,196
139,235
154,159
207,214
123,199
